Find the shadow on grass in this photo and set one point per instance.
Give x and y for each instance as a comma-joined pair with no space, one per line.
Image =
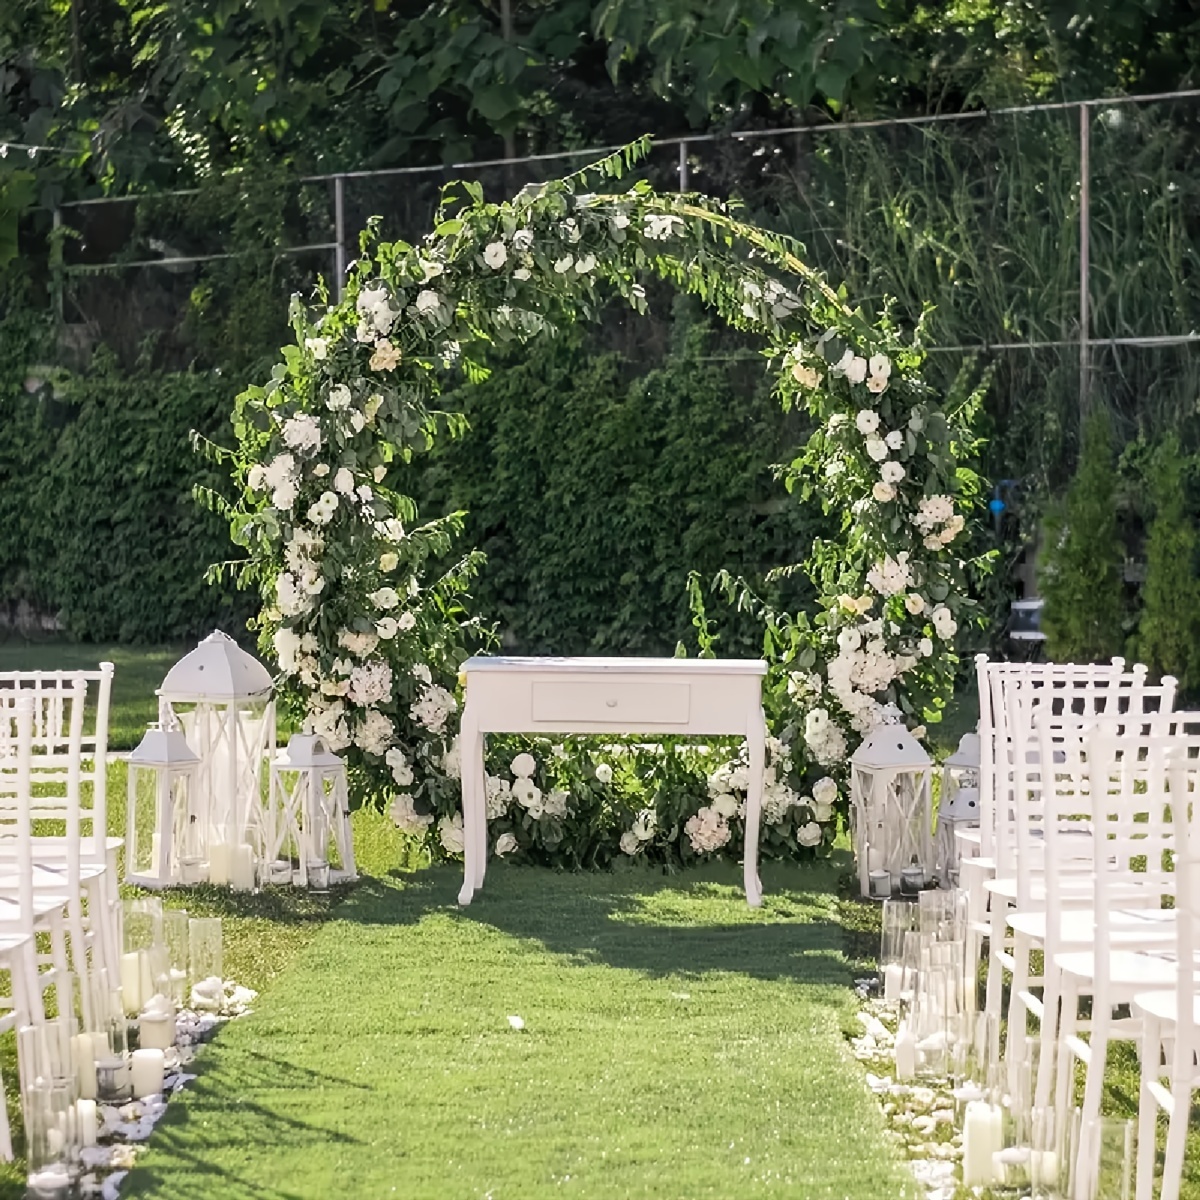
687,923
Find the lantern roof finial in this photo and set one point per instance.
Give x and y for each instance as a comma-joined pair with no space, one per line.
967,754
889,747
218,669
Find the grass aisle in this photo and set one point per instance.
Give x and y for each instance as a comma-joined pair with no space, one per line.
676,1044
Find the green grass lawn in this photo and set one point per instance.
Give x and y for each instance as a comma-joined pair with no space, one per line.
676,1044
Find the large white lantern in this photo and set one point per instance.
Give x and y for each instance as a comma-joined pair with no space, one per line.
163,838
891,810
310,812
958,806
220,697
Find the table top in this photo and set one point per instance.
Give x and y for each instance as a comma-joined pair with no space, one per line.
624,666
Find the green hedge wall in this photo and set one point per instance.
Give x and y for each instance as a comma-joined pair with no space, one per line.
594,490
97,519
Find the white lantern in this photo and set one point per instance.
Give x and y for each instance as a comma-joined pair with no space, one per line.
163,837
890,778
958,805
310,811
220,697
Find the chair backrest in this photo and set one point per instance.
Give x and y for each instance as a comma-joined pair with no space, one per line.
16,816
1134,771
53,695
1184,775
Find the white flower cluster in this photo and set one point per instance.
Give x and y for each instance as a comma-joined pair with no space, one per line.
944,624
728,784
370,683
280,476
302,433
404,813
375,732
433,708
376,313
824,739
891,575
450,833
643,829
935,511
659,227
707,830
359,644
321,512
499,795
400,767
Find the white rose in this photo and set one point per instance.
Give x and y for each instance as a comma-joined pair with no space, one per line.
915,603
385,598
925,647
522,273
338,398
450,831
825,791
726,804
585,264
407,621
495,255
891,472
523,766
880,365
629,842
604,773
388,561
883,492
876,447
318,347
809,834
822,812
428,301
564,264
256,478
867,421
895,439
386,628
876,385
856,369
343,481
506,843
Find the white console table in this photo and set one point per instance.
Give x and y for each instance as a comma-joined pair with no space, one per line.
664,696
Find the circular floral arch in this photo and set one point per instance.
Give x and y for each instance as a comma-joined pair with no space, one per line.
369,642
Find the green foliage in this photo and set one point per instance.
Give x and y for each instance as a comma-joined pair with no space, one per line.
1081,571
1168,633
97,520
593,494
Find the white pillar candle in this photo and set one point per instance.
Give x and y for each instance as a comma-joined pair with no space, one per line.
893,982
131,981
85,1121
241,869
1044,1168
156,1031
220,862
982,1138
83,1059
51,1181
148,1069
906,1053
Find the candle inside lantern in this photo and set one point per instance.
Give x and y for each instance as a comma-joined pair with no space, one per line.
906,1053
893,982
241,869
982,1138
131,980
83,1058
85,1120
148,1069
220,862
156,1030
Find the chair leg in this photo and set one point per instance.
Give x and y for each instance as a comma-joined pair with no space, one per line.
1148,1108
1092,1091
1018,1017
1064,1073
995,977
1051,989
1177,1127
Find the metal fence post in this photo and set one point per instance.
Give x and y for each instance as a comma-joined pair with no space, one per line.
1085,221
339,236
683,167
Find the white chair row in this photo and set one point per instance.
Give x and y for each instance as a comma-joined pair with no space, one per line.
1087,767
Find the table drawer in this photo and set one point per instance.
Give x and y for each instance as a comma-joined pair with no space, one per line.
610,704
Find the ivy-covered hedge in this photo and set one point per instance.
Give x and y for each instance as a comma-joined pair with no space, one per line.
594,490
98,524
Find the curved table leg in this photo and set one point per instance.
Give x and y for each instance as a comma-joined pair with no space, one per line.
756,737
474,762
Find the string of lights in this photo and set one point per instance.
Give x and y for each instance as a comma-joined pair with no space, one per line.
30,150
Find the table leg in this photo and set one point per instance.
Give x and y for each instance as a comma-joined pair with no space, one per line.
470,748
756,740
476,761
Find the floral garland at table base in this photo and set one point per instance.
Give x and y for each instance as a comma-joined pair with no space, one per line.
369,638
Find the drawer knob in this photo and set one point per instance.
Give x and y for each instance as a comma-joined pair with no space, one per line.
610,704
